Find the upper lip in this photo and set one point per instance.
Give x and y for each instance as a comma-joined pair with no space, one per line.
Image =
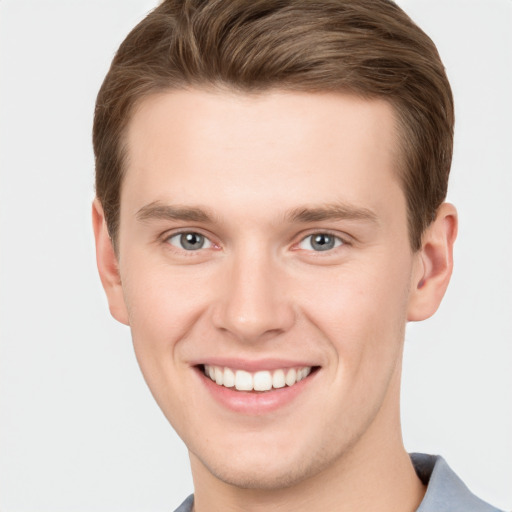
253,365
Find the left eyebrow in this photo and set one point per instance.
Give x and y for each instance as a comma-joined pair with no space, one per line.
331,212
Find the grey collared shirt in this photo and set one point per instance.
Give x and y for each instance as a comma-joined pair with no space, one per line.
445,490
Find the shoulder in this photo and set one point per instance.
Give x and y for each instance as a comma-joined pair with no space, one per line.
187,505
446,492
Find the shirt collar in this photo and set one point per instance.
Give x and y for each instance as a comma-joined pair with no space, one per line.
445,490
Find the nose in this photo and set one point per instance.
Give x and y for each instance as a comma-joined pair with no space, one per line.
253,302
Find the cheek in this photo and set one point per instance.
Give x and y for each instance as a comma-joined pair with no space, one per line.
361,309
161,298
163,305
361,315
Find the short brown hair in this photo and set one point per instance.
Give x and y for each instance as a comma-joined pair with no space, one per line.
367,47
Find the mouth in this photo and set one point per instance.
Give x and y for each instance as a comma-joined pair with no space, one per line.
262,381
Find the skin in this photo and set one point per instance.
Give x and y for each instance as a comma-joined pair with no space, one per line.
258,289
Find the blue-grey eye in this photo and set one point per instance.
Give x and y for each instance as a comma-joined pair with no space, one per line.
320,242
190,241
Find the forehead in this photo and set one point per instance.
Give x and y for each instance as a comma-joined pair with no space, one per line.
271,151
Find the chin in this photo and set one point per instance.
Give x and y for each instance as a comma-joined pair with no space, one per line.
267,477
267,472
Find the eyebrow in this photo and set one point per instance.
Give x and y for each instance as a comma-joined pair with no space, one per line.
331,212
337,211
157,210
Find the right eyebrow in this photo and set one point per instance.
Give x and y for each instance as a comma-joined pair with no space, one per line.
158,210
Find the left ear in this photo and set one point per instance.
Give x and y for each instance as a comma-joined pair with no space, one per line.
434,264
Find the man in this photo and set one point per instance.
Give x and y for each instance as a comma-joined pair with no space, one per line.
270,212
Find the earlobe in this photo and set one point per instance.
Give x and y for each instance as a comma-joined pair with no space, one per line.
434,264
108,267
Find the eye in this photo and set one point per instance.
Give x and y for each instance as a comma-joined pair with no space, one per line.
320,242
189,241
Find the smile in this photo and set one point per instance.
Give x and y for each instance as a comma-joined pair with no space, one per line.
242,380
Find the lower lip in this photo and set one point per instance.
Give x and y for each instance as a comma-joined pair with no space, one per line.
255,403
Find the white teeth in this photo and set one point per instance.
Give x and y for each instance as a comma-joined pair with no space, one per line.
229,378
262,381
303,373
278,380
243,381
219,376
291,377
259,381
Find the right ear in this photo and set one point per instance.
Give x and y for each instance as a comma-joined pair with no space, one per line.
108,266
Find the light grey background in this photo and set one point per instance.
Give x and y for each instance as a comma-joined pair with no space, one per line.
79,431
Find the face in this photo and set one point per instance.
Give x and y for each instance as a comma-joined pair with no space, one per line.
263,244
